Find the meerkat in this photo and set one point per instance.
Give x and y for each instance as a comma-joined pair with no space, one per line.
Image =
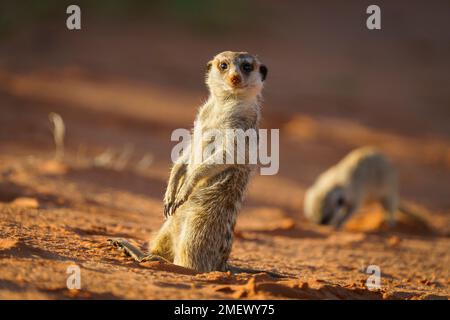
365,174
203,199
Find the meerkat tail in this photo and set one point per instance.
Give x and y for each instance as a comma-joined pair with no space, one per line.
236,270
133,251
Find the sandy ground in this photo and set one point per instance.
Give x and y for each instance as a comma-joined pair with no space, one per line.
54,214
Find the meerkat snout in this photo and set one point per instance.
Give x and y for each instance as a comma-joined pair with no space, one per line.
235,73
235,79
328,208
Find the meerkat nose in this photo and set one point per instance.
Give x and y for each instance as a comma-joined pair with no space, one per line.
235,79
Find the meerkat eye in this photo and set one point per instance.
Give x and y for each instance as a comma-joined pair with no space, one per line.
223,66
340,202
247,67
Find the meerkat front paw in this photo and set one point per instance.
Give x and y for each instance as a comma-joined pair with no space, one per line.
181,198
175,206
169,200
170,206
169,209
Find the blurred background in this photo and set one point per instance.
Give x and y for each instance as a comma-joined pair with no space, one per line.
117,88
333,84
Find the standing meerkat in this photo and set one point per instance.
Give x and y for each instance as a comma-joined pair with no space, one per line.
363,175
202,199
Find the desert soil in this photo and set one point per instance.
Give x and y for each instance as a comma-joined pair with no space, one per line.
111,180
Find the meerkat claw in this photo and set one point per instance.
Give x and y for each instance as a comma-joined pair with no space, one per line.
169,210
166,210
177,205
172,209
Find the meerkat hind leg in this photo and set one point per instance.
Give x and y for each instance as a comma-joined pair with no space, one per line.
133,251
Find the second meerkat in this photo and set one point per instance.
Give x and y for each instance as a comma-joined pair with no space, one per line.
202,199
365,174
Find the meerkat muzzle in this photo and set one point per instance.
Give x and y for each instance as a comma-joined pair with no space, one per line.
235,80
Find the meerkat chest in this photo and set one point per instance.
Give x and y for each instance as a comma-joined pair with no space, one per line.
231,115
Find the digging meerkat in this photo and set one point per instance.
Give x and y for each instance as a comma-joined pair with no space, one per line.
202,199
363,175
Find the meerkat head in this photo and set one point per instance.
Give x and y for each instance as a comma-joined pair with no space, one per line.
238,74
326,207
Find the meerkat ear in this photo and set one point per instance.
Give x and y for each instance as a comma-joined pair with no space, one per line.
208,66
263,70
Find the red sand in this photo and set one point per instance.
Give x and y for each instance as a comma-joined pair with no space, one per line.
53,214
